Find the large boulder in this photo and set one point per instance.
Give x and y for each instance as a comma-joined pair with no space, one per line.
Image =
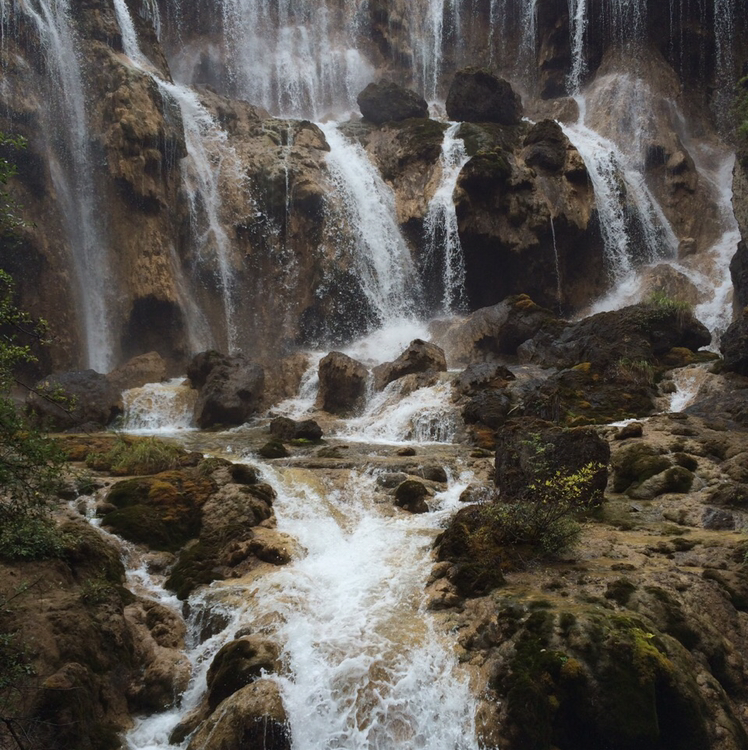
496,331
239,663
75,400
342,384
252,717
136,372
388,102
230,389
639,333
545,147
284,428
420,356
530,452
478,95
734,346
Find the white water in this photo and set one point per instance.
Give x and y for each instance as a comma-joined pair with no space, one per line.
72,169
444,255
368,670
383,263
620,188
211,162
159,407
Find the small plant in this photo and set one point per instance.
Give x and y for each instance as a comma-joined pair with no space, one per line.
638,372
663,305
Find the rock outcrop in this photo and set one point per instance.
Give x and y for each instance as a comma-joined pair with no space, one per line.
386,101
419,357
342,384
478,95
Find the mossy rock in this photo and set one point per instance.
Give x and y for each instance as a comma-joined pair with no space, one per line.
411,495
635,464
89,554
195,567
274,449
163,511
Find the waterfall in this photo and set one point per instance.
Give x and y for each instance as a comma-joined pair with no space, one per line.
159,407
383,261
621,196
209,158
443,249
72,168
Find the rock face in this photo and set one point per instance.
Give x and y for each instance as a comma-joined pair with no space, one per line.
342,384
387,102
419,357
478,95
230,389
734,346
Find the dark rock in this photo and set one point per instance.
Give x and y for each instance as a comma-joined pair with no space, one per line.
273,449
407,451
478,95
718,519
635,464
631,430
391,479
635,334
230,389
88,399
419,357
734,346
530,451
411,496
479,376
490,408
387,102
342,384
545,147
434,473
739,273
284,428
494,332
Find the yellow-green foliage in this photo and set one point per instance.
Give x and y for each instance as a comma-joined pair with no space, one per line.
142,456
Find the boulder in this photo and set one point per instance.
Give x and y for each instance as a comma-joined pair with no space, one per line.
136,372
489,407
342,384
252,717
493,332
230,389
411,496
481,376
734,346
635,334
388,102
284,428
89,400
478,95
530,451
239,663
419,357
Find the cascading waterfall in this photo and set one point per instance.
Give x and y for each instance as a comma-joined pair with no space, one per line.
72,168
384,264
443,254
210,157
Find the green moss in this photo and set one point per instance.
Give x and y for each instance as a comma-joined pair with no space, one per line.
635,464
195,567
136,456
273,449
620,591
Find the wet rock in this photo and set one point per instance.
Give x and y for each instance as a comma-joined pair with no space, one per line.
234,507
734,346
252,717
631,430
274,449
490,408
530,451
406,451
411,496
239,663
545,147
718,519
88,399
136,372
494,332
639,333
386,101
342,384
478,95
391,479
419,357
230,389
285,429
481,376
635,464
